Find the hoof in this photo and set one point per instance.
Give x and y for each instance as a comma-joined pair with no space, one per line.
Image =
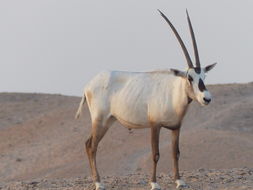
155,186
99,186
180,184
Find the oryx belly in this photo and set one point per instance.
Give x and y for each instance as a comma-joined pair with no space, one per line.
136,112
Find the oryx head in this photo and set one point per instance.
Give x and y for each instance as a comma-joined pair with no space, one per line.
195,76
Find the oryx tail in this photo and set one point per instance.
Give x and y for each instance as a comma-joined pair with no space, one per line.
79,111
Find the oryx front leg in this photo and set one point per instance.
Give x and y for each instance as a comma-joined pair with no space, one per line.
155,131
175,157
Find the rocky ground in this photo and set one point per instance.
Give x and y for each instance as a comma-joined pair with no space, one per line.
201,179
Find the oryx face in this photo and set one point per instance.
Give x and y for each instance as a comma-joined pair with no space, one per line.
195,75
195,78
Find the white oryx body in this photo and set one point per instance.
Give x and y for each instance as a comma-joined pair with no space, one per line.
145,100
138,99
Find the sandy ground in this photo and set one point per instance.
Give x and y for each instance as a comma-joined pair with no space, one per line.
42,145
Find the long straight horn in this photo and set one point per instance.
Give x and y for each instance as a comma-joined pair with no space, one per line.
187,56
193,41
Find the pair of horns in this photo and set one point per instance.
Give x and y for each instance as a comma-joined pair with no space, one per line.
187,56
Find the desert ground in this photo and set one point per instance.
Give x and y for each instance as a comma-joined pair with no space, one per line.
42,145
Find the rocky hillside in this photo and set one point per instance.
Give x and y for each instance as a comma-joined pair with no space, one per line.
40,140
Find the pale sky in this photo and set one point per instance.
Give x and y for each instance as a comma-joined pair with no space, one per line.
56,46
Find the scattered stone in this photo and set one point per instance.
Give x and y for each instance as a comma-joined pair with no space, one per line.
230,179
19,160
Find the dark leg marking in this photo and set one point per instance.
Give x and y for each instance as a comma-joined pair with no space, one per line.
155,133
175,152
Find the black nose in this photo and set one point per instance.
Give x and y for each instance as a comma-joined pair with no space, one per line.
207,100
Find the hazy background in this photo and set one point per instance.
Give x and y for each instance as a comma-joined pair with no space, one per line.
56,46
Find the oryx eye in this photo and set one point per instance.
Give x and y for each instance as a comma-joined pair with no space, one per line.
190,78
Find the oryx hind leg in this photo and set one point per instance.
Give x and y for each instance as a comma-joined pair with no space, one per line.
99,128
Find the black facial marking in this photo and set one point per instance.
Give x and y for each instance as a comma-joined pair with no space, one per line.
190,78
202,86
189,100
176,72
197,70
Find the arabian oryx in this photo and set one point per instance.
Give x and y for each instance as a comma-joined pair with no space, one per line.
145,100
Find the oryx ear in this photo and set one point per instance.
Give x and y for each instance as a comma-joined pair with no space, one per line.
209,67
178,73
